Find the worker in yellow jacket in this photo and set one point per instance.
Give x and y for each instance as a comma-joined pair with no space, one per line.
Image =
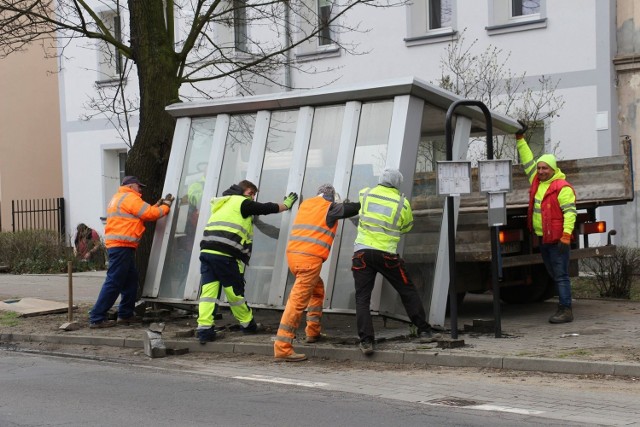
312,234
126,215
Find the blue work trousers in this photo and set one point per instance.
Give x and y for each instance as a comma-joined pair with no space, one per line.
122,280
557,264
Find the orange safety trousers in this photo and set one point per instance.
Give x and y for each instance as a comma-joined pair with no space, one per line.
307,293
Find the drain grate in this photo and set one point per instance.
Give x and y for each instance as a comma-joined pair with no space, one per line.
453,401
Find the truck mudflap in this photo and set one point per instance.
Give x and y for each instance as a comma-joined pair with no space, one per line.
575,254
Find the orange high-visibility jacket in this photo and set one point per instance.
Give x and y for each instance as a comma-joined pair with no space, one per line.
310,234
126,215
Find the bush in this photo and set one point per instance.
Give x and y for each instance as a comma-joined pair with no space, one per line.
37,252
614,273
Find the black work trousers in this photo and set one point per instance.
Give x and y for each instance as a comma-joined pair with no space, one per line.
365,264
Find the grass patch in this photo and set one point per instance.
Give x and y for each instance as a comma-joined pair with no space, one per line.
9,318
579,352
585,287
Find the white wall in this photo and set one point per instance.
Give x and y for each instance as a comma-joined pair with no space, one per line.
568,50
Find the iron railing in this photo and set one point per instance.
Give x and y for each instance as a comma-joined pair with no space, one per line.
38,214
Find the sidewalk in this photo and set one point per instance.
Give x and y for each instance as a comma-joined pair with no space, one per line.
603,339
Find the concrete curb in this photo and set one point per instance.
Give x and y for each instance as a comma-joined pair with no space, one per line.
423,358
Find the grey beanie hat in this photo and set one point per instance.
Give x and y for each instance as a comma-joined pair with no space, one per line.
391,178
327,190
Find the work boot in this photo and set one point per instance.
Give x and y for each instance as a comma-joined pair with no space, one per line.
206,335
313,339
253,328
563,315
127,321
366,347
103,324
427,336
293,357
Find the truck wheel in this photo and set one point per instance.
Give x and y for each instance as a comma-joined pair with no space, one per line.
542,288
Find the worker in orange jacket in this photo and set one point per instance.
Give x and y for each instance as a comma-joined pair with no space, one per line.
126,215
312,234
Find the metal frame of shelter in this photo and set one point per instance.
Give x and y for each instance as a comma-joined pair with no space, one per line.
295,141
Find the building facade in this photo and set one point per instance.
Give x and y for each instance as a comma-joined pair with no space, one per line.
30,159
572,43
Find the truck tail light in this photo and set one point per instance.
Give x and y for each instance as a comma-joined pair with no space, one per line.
507,236
593,227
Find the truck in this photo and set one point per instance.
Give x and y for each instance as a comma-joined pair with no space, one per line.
598,182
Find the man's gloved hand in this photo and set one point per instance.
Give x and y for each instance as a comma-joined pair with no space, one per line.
565,243
167,200
159,202
520,132
290,200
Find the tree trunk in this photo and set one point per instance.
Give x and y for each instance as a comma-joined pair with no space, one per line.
157,65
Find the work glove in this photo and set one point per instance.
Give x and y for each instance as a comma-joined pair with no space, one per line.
565,243
520,132
167,200
290,200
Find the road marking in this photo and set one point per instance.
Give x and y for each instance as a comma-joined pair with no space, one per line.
278,380
506,409
484,407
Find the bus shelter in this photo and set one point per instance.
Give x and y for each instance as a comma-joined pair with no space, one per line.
296,141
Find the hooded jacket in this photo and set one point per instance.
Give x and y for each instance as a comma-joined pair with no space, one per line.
552,203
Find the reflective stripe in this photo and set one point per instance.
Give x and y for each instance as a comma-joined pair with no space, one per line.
120,237
380,230
528,164
228,242
313,318
229,225
316,308
379,209
303,253
119,214
537,210
378,222
283,339
206,299
241,301
313,228
311,240
143,209
287,328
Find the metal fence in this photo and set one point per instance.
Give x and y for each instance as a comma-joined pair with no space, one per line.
38,214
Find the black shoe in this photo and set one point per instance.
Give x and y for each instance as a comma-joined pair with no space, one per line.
253,328
427,336
103,324
563,315
206,335
366,347
127,321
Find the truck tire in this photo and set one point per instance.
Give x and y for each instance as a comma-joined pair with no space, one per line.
541,288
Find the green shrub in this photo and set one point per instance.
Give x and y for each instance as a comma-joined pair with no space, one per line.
37,252
614,274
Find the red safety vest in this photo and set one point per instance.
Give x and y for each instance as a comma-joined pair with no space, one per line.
552,215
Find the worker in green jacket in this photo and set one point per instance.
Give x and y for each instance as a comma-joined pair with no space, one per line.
385,214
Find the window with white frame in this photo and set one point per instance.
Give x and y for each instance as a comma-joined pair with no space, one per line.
240,35
325,14
439,14
430,21
516,15
109,58
319,16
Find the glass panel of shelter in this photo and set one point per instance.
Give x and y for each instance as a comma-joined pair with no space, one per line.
320,165
185,210
274,176
368,163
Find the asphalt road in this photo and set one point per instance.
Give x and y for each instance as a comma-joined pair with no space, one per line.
39,390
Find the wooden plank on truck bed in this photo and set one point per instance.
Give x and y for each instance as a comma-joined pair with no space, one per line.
598,181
